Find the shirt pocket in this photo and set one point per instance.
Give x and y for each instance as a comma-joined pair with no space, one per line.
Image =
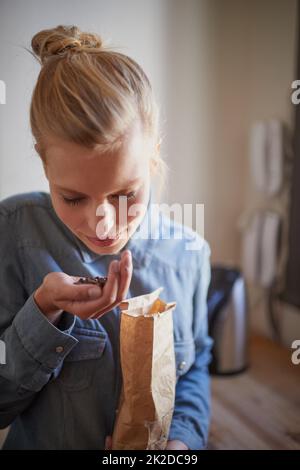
184,356
79,365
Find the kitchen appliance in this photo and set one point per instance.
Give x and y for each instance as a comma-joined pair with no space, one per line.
228,321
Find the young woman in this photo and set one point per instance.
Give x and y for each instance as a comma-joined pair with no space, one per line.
96,128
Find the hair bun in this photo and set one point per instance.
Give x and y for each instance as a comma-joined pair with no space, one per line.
50,42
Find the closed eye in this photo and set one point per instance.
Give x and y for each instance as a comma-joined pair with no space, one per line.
72,202
76,201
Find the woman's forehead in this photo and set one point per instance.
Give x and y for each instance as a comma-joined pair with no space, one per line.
134,142
84,172
84,164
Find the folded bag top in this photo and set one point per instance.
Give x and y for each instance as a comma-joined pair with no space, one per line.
146,305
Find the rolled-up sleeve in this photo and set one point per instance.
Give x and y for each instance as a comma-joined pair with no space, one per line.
34,347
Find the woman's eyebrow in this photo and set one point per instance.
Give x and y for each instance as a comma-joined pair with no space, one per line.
130,183
69,190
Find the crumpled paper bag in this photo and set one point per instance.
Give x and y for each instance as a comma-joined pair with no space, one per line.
148,367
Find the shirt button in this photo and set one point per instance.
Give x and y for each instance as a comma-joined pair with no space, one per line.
181,365
59,349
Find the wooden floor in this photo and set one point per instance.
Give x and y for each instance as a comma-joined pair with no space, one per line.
259,409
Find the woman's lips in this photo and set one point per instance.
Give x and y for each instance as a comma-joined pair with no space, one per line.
104,242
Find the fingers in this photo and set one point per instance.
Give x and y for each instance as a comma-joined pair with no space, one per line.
78,293
125,274
110,290
92,301
108,293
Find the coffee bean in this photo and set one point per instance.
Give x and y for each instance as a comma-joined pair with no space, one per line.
98,280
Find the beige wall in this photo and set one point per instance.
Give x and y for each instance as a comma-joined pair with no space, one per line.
259,88
232,63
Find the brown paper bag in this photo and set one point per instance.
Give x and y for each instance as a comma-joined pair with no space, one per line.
149,376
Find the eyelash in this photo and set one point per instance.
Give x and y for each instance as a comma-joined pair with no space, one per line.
77,201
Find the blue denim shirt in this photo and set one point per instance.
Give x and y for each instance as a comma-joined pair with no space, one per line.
60,385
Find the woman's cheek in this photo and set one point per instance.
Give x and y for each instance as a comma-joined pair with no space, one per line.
67,215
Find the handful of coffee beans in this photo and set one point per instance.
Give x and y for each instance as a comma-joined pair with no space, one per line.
98,280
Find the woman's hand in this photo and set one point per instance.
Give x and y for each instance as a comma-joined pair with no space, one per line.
58,292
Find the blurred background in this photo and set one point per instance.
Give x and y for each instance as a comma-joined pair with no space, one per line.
222,71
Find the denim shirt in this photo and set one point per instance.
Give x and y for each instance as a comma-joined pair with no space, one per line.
60,385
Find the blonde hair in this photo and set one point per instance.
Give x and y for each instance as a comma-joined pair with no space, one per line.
89,94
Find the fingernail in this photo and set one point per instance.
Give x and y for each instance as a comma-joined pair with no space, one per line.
94,292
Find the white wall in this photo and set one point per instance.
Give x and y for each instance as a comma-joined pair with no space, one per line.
136,26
